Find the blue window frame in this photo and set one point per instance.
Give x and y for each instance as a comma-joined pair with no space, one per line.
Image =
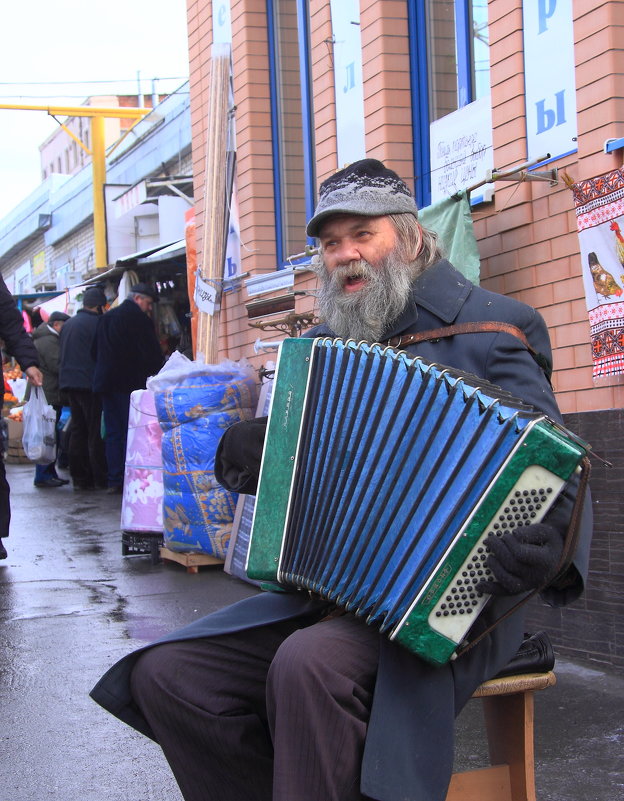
291,123
449,63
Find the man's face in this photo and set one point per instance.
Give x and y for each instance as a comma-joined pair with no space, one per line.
145,303
347,239
364,282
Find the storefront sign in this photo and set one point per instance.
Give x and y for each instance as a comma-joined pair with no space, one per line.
38,265
205,295
549,78
232,268
345,17
221,21
461,148
131,199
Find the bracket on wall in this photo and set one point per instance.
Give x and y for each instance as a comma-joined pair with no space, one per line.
520,173
292,324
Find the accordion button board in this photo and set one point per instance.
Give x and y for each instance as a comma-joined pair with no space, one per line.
381,477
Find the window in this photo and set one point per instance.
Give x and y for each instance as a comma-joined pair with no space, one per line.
291,107
450,68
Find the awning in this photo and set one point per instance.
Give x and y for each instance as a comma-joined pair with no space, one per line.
172,251
148,257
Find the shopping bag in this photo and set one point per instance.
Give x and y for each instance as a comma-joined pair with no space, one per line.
39,437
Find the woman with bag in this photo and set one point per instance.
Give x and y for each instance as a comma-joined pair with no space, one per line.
19,345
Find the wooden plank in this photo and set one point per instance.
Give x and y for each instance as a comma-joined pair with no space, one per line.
191,561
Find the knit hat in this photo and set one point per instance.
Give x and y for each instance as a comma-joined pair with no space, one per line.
365,187
93,297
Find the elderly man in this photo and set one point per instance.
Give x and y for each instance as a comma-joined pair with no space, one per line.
317,705
126,352
87,460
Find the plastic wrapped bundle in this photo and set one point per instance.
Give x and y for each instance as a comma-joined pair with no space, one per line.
195,403
141,508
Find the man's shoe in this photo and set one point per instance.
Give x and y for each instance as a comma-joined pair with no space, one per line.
49,482
63,481
3,551
117,489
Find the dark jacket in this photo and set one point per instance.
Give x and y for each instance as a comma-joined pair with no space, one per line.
77,365
16,341
47,342
126,350
409,743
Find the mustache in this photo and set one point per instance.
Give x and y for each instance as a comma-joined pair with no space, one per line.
355,269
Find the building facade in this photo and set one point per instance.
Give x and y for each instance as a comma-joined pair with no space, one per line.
47,241
518,101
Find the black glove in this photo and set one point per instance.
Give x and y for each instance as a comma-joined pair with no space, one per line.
522,559
239,454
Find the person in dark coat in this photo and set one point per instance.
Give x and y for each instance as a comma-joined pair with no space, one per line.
18,344
87,459
317,705
47,341
126,353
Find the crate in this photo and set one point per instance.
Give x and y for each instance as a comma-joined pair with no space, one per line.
15,453
135,543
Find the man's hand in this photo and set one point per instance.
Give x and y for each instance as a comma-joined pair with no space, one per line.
522,560
34,376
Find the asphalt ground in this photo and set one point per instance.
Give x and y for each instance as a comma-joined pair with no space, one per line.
71,605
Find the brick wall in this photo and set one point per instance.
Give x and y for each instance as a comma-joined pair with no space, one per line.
528,240
593,626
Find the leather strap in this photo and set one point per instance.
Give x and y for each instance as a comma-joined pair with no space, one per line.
486,326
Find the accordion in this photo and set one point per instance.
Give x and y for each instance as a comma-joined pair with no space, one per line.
382,474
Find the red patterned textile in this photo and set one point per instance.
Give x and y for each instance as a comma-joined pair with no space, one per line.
599,204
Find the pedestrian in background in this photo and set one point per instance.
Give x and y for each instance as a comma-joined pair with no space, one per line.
87,459
46,339
127,352
19,345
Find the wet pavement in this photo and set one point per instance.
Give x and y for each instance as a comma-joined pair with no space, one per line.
71,604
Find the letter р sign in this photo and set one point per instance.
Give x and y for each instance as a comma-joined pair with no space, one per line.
549,78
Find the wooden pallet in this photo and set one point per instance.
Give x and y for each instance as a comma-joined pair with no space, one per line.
191,561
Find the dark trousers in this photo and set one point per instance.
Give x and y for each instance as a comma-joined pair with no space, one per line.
277,713
87,460
116,407
5,503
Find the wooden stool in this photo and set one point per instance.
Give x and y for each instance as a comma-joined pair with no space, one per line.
508,710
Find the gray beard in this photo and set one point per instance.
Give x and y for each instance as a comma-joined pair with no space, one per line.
366,314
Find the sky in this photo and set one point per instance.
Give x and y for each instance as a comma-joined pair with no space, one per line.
59,52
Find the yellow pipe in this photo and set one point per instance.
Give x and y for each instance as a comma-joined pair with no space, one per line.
82,111
75,138
98,150
99,179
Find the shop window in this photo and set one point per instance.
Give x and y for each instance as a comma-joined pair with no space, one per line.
291,114
450,68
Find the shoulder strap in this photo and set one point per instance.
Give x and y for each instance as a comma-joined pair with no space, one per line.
473,328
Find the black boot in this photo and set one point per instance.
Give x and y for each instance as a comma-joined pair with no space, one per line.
3,551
